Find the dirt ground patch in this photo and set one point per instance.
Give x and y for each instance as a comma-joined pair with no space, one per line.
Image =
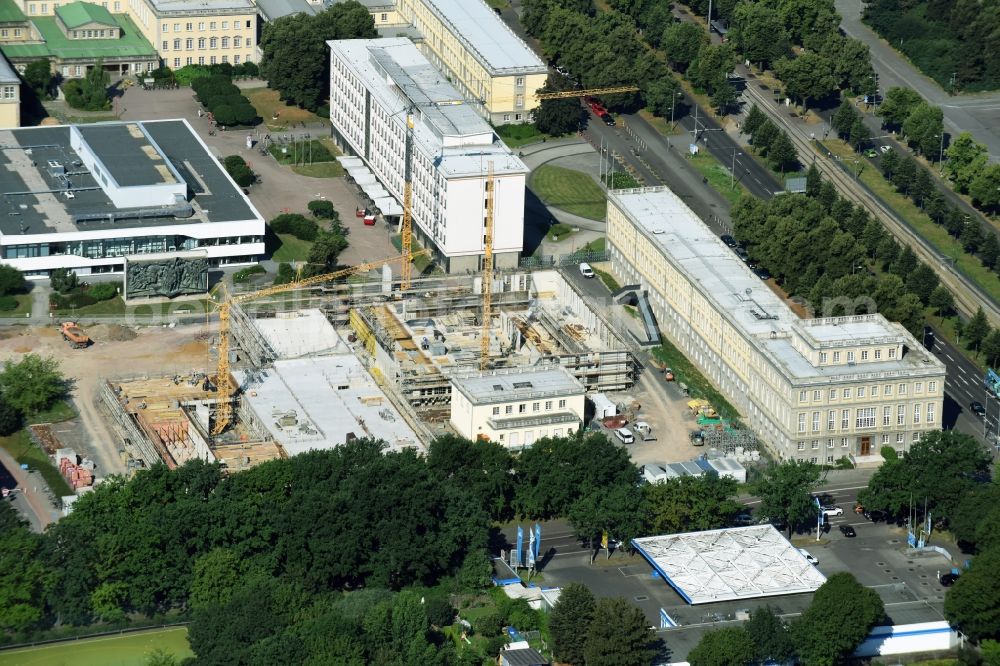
145,351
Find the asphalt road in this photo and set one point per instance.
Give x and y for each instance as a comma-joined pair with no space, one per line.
964,385
977,113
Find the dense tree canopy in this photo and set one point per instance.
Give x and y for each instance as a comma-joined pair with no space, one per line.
296,58
837,621
785,492
569,622
619,635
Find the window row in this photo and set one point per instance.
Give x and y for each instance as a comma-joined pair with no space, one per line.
873,391
522,408
851,357
203,43
212,25
865,417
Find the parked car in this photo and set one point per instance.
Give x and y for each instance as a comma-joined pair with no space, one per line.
885,149
762,273
625,435
848,531
743,519
876,516
742,254
871,153
586,271
829,511
809,558
728,240
977,408
948,579
697,438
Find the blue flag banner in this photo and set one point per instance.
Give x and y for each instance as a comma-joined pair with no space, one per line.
520,546
538,540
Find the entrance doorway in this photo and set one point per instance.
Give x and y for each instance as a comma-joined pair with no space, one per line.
866,446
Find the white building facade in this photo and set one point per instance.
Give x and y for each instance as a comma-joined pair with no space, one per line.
86,197
373,86
813,389
515,409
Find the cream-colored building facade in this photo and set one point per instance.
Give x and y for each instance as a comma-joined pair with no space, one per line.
519,407
485,60
189,32
10,95
813,389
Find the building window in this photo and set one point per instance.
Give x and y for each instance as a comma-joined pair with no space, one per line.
902,389
930,412
189,26
830,443
918,387
517,116
519,82
802,446
189,43
802,422
932,387
845,442
509,409
802,396
865,418
45,8
9,92
225,58
900,415
225,25
847,394
900,438
211,26
77,71
211,60
815,444
188,61
225,42
861,391
237,42
822,357
535,406
833,394
813,460
836,357
829,459
887,415
236,59
831,419
506,117
845,419
562,403
201,42
917,407
177,44
213,43
864,355
815,422
248,24
522,408
850,357
5,32
816,395
892,352
885,439
916,437
201,26
548,405
874,392
166,45
384,17
887,390
31,9
177,63
496,411
878,354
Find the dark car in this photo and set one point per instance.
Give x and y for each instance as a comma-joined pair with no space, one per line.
948,579
762,273
848,531
876,516
742,254
977,408
728,240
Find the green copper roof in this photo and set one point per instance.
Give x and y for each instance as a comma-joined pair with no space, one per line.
130,44
76,14
10,12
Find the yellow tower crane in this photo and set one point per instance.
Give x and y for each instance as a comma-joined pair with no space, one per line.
223,379
406,228
588,92
484,336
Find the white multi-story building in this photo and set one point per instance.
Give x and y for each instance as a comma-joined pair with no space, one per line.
519,407
86,197
482,55
374,86
813,389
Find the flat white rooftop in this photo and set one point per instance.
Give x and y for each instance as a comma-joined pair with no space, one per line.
203,6
743,298
484,34
321,403
525,384
728,564
300,333
445,127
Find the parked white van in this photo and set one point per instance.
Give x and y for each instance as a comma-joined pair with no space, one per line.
586,271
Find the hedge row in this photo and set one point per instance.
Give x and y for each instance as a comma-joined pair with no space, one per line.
223,100
297,225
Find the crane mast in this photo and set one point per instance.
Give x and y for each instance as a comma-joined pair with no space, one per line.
484,336
406,228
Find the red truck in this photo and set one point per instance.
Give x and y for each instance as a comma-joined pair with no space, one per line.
599,111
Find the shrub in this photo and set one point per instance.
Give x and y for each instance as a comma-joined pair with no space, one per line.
64,280
323,209
297,225
103,291
237,167
224,115
233,162
490,625
187,75
439,611
244,274
285,274
80,300
247,69
10,418
244,113
11,281
7,303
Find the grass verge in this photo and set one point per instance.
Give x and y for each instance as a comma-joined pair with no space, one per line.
60,411
570,190
696,382
934,234
662,125
288,248
559,231
609,281
23,306
520,134
320,170
112,306
268,101
719,177
25,452
127,650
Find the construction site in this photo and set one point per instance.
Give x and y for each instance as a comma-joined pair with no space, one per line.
315,366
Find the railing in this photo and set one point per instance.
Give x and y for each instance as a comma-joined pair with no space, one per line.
552,261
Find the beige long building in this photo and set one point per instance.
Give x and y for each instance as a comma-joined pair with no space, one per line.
813,389
486,61
198,32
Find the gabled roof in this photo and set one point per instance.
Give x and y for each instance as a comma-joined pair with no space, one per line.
76,14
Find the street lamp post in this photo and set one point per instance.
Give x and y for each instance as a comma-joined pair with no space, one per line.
673,107
941,154
732,172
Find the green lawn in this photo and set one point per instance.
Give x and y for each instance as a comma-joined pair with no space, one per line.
61,411
201,305
320,170
128,650
609,281
112,306
288,248
267,101
520,134
935,234
698,385
569,189
23,306
719,177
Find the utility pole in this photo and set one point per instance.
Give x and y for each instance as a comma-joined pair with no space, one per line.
732,172
941,154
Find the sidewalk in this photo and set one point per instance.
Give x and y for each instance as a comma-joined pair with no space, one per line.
33,491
